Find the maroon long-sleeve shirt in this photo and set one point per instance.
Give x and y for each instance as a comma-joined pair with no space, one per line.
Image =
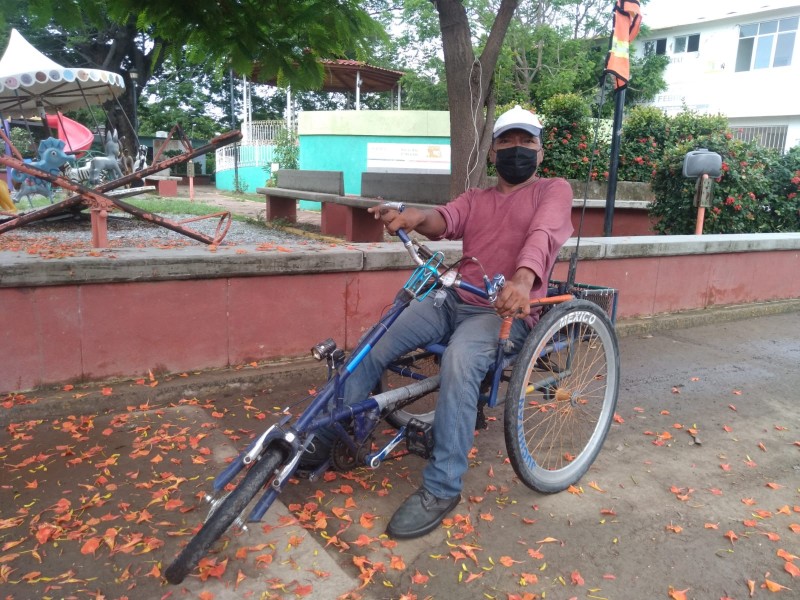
525,228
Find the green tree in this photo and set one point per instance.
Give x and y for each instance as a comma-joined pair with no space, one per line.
286,39
470,88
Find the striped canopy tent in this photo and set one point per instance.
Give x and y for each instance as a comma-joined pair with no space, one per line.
32,84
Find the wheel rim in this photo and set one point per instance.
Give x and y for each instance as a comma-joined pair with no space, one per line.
567,402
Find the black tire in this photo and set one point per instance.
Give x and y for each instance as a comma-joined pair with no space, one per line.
562,395
419,362
222,518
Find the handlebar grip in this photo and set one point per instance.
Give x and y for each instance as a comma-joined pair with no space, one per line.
403,236
505,328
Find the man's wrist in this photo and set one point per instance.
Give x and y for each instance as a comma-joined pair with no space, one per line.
525,277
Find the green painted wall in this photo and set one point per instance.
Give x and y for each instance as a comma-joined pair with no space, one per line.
348,153
337,140
250,178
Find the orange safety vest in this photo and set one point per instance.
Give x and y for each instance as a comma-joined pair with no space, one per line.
627,20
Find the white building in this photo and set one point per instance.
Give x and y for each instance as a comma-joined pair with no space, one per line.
738,58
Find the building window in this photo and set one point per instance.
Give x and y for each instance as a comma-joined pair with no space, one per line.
767,44
687,43
658,46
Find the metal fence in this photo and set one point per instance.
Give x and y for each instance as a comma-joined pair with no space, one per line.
263,132
769,137
257,148
248,156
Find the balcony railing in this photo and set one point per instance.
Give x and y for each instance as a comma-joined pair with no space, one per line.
257,148
262,132
768,137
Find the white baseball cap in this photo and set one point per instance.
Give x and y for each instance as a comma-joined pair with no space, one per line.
517,118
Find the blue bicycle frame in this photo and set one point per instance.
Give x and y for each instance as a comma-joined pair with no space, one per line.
328,409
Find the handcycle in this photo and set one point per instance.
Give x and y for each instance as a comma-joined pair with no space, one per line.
560,400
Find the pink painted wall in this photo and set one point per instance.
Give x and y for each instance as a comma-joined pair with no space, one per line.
627,221
98,331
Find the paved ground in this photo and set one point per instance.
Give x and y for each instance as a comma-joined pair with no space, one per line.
695,495
249,208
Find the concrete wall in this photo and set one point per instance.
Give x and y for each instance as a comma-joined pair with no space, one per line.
127,311
337,140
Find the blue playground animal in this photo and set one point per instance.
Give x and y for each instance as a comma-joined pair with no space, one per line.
51,158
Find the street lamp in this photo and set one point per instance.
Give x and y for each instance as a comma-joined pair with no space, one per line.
134,75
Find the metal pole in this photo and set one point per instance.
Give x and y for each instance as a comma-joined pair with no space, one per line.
235,146
358,90
135,115
612,169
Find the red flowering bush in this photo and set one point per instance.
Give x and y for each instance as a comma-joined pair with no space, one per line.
750,196
567,140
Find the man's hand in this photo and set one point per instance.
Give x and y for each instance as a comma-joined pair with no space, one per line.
515,298
426,222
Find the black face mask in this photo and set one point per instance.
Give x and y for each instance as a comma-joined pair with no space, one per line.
516,164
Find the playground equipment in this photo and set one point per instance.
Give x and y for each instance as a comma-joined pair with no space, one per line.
30,83
6,204
52,157
109,162
100,202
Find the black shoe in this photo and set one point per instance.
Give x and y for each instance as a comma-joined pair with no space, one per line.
421,513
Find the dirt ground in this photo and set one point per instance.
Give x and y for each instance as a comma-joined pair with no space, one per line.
696,493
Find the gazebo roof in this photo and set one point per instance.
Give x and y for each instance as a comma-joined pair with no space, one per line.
341,75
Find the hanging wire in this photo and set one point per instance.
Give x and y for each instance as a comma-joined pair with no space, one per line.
573,260
475,149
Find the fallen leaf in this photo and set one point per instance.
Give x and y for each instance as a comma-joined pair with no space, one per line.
772,586
90,546
787,556
419,578
677,594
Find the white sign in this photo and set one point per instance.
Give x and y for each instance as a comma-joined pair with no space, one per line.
420,158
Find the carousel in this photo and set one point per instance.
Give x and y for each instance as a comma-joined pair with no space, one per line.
33,86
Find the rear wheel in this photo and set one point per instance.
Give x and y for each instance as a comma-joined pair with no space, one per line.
562,396
404,371
223,516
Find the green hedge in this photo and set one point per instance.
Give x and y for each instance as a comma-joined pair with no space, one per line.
758,190
756,193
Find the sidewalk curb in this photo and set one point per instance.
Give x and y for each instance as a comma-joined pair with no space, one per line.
704,316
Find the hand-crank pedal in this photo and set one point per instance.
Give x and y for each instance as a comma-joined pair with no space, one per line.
419,438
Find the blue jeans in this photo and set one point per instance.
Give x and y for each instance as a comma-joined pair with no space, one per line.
470,333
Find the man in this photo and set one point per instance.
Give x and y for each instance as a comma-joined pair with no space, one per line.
515,228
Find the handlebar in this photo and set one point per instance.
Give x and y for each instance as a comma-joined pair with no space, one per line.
423,257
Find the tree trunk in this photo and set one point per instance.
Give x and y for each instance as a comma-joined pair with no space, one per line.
470,91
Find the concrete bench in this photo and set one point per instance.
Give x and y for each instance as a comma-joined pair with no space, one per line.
346,215
341,215
165,185
418,188
297,184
